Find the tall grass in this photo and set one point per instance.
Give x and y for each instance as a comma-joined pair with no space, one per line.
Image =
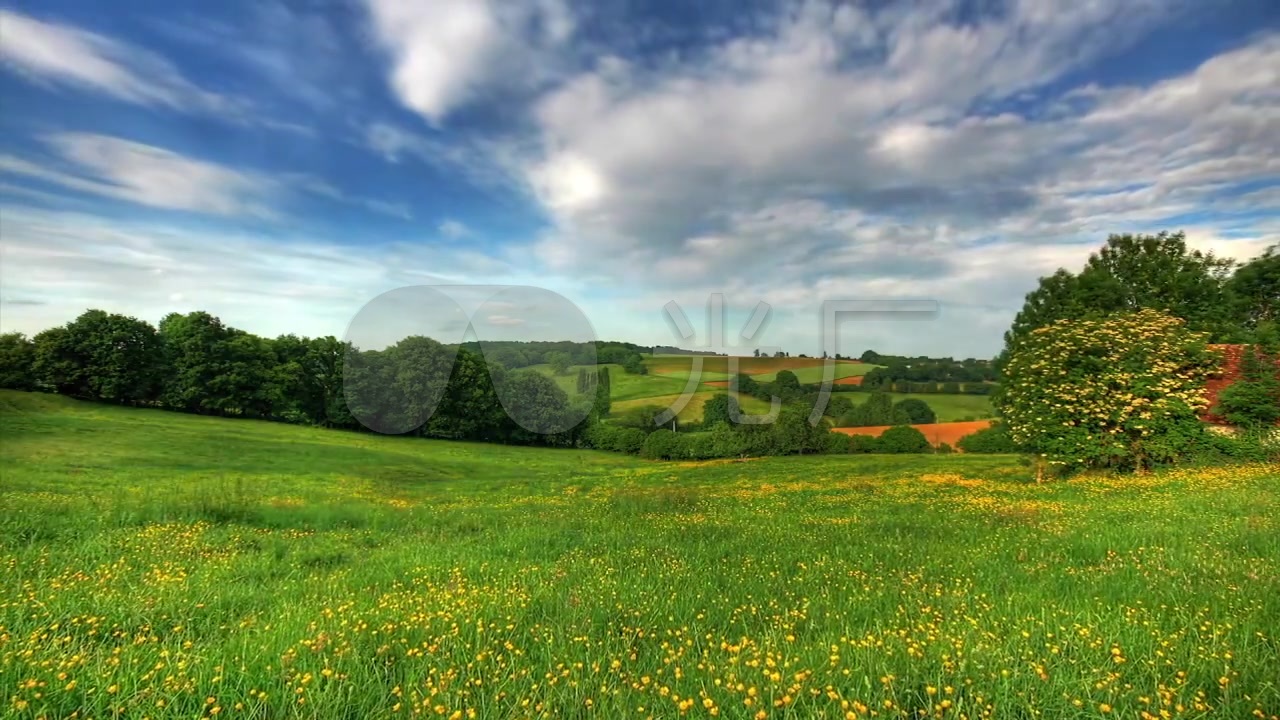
163,566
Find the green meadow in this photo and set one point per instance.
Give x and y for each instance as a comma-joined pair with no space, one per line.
160,565
948,408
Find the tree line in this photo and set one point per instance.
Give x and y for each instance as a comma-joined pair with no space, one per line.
195,363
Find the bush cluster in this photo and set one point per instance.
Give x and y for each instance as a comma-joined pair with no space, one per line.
1118,392
991,440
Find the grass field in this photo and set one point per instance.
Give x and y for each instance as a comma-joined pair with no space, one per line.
623,386
692,412
166,566
808,370
669,373
948,408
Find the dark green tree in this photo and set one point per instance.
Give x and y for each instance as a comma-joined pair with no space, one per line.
1253,401
917,411
17,362
102,356
993,439
1254,291
604,401
195,358
786,385
634,365
559,362
716,410
1130,273
902,439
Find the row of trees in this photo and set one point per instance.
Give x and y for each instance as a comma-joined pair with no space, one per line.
875,380
561,355
718,437
930,370
194,363
880,409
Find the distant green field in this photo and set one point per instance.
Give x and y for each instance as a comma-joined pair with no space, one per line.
692,412
168,566
623,385
668,374
948,408
762,368
813,374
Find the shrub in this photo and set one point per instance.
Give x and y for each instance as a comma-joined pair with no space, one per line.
838,406
1253,401
944,449
861,444
661,445
693,446
917,411
727,442
603,436
838,443
1117,392
878,409
902,439
1241,446
990,440
640,418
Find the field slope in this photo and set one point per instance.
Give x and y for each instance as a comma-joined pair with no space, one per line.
167,566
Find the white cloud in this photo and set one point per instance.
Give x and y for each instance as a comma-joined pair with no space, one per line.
147,175
445,53
125,170
482,162
55,54
796,160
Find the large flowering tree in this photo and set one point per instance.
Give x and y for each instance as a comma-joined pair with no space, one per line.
1117,392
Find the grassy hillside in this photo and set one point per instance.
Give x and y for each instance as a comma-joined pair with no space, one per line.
167,566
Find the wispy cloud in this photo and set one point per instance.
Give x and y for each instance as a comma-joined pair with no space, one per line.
56,54
121,169
317,186
124,170
454,230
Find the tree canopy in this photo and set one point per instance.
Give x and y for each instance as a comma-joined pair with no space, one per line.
1130,273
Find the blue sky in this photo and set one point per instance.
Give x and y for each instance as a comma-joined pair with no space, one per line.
281,164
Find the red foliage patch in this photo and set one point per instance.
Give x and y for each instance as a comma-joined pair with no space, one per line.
1232,358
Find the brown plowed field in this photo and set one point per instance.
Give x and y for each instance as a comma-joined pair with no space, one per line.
851,380
937,433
